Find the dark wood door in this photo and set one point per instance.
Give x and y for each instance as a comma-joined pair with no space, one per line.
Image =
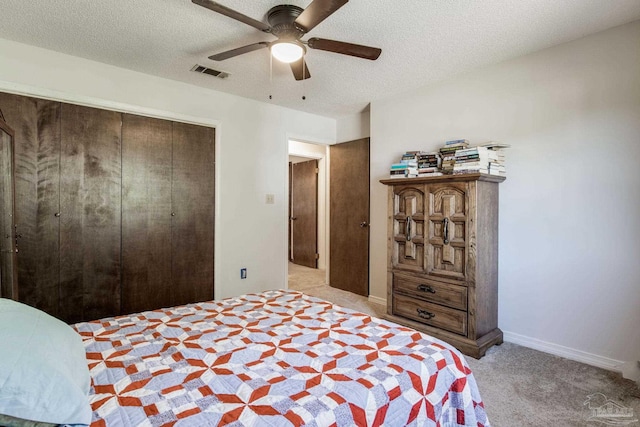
36,124
146,213
8,258
349,216
90,212
192,213
304,213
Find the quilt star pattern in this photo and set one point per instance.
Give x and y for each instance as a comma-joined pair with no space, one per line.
278,358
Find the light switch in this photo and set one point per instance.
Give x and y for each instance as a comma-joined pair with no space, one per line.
270,199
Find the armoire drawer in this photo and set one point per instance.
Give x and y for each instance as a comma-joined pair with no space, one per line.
453,296
430,314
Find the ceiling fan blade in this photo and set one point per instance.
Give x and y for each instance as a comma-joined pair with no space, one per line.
217,7
300,69
238,51
366,52
317,12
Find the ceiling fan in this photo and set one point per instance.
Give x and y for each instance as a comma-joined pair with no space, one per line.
289,24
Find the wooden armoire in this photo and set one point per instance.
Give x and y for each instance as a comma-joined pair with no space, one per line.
114,211
443,258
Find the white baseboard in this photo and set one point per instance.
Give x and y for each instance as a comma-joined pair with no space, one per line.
377,300
570,353
629,370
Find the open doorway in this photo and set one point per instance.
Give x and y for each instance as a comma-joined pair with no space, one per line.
343,222
308,186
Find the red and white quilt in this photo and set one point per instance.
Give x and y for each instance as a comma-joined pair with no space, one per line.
278,358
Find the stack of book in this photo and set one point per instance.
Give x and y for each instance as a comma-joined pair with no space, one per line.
428,164
481,159
456,157
407,167
497,167
448,153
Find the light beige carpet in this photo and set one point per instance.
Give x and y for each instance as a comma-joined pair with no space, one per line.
520,386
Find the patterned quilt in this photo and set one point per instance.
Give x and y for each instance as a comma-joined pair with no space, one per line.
278,358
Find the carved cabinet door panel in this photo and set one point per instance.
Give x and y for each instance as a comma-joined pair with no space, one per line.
408,222
447,230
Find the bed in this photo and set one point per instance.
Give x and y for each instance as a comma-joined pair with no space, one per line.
277,358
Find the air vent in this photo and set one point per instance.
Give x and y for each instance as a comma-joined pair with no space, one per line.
204,70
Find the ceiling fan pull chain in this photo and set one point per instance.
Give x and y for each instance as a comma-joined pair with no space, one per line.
304,70
270,75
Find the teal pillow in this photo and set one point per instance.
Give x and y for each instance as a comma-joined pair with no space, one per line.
44,375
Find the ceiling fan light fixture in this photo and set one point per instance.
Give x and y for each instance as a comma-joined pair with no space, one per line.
287,51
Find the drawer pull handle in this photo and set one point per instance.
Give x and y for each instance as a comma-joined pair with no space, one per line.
445,225
408,229
425,314
426,288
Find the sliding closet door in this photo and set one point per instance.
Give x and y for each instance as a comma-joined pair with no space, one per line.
106,226
36,124
90,213
146,213
8,260
192,213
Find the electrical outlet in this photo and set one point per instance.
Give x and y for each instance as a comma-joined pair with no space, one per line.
270,199
243,273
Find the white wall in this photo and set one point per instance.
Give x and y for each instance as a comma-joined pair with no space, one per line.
251,149
570,207
355,126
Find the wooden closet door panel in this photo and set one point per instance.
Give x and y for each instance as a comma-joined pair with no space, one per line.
90,213
47,216
36,124
193,208
146,213
8,256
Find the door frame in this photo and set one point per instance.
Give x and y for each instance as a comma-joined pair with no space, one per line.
296,147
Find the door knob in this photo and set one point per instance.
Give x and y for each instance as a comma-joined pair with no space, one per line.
364,224
293,218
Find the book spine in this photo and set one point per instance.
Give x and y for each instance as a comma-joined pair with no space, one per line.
471,164
474,150
456,141
409,162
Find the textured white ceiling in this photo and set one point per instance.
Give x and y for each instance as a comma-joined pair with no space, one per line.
422,41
